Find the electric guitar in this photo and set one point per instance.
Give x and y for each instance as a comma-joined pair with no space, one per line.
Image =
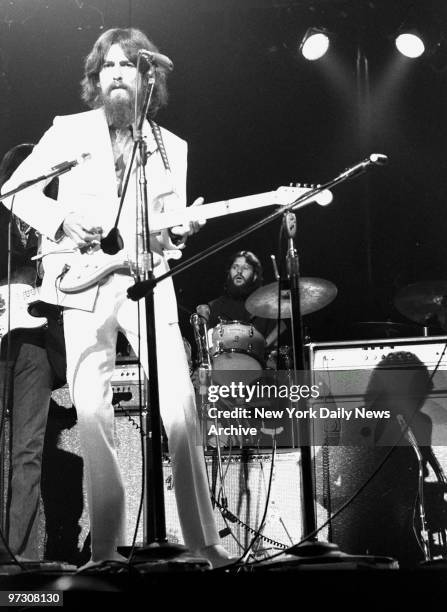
21,296
87,269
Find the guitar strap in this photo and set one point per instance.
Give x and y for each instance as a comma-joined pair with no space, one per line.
156,131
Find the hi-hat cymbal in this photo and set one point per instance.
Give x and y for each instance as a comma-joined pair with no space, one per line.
315,293
422,302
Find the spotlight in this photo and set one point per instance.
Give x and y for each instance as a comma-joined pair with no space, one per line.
410,43
315,43
417,34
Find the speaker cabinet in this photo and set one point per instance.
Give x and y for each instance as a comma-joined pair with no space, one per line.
245,485
65,524
384,517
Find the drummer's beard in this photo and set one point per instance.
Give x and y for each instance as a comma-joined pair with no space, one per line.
240,292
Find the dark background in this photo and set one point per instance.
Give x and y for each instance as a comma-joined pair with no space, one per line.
257,115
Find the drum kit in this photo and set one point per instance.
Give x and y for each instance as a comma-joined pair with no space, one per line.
239,346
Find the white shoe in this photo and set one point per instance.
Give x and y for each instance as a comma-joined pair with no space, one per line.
92,564
217,555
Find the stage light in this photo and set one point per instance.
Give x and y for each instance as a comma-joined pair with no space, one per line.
417,34
315,43
410,43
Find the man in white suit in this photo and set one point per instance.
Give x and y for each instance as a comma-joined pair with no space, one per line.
85,211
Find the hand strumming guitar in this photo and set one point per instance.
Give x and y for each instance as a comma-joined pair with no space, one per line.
82,231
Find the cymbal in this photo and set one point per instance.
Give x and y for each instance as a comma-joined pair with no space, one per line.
315,293
423,301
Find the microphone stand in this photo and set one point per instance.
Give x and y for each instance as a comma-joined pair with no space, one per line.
311,547
375,159
298,362
155,523
55,172
156,544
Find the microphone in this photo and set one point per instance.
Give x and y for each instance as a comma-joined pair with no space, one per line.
151,57
379,159
203,310
376,159
68,165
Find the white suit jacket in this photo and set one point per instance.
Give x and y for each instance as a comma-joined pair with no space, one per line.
91,188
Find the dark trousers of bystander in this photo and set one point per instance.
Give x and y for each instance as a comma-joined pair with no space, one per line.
26,383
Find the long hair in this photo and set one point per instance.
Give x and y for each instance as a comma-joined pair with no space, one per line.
12,160
131,41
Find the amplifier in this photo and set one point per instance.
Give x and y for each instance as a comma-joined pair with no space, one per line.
366,354
383,517
125,385
246,476
345,368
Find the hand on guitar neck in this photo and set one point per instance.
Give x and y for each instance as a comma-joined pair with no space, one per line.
179,233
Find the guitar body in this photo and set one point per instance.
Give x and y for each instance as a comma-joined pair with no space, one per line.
88,269
21,295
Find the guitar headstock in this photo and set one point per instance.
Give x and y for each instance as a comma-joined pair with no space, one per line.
286,195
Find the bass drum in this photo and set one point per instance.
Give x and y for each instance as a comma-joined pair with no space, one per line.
236,347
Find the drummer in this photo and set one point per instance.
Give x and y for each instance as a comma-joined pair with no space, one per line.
243,275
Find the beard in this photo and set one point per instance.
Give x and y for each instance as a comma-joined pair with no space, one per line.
119,109
239,292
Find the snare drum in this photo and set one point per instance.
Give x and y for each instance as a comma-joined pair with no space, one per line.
237,346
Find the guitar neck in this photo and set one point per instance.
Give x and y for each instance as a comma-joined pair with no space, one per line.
165,220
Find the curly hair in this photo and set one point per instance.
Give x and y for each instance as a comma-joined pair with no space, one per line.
131,41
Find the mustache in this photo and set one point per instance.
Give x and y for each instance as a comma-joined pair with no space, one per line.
119,86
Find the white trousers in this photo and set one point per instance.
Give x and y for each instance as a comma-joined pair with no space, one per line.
91,351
